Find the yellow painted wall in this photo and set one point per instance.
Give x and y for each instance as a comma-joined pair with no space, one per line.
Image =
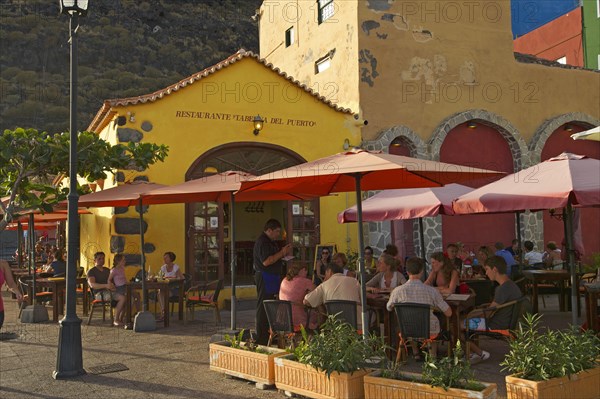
245,88
340,82
417,63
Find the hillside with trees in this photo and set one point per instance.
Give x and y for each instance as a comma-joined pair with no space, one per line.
126,48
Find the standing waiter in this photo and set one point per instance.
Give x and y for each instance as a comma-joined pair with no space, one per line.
268,268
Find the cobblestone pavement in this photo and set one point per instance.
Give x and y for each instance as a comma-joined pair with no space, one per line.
166,363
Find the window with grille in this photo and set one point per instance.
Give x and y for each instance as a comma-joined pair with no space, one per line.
326,10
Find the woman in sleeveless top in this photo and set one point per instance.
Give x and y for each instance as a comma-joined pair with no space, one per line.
7,277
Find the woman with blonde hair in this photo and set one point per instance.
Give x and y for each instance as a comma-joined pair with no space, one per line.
387,277
293,288
444,275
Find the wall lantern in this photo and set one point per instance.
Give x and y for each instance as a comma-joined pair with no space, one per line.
568,127
346,144
258,124
74,7
472,125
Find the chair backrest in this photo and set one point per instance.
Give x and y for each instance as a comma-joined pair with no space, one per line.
216,285
279,315
413,320
484,290
343,310
518,310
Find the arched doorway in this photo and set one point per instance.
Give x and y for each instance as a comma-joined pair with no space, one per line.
208,232
558,142
477,145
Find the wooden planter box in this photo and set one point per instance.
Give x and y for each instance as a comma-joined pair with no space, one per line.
583,385
252,366
308,381
377,387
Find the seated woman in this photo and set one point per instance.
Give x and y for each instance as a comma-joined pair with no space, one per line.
321,266
169,270
370,263
553,256
341,260
483,253
387,277
293,288
58,266
444,275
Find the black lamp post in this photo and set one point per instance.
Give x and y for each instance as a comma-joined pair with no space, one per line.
69,360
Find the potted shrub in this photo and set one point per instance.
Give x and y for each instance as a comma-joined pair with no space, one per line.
330,364
447,377
244,359
552,364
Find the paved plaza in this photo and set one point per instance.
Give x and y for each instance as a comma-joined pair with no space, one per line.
167,363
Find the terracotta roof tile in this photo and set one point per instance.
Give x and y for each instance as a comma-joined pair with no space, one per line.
105,110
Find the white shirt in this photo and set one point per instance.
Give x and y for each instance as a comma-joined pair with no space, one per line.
534,257
172,273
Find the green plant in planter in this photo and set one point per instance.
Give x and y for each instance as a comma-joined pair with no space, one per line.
541,355
338,347
450,372
249,345
235,341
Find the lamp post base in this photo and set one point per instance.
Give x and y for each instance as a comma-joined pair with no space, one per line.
69,362
144,321
34,314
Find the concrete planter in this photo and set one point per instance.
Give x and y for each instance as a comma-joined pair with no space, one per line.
241,363
377,387
583,385
308,381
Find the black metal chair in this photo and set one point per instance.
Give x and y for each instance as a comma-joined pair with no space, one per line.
279,315
100,303
187,283
517,308
343,310
483,289
197,295
413,325
26,286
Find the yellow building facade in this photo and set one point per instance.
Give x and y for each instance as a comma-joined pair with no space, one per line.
207,122
440,80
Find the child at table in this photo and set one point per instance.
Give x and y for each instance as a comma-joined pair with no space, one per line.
118,279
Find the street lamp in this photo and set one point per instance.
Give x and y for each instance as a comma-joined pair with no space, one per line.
69,360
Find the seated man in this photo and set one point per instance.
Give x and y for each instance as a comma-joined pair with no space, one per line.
507,256
103,289
532,257
495,269
416,292
335,287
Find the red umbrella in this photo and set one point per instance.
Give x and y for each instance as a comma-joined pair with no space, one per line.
220,187
547,185
561,182
358,170
37,226
128,194
407,204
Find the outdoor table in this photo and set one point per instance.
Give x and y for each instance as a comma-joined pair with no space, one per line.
378,303
592,294
536,276
165,290
460,304
58,285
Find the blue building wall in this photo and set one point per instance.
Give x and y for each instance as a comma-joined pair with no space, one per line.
528,15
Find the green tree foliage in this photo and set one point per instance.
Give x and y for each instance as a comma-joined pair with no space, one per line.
29,160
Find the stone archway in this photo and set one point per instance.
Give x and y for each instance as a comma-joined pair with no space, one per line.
208,231
545,130
517,145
